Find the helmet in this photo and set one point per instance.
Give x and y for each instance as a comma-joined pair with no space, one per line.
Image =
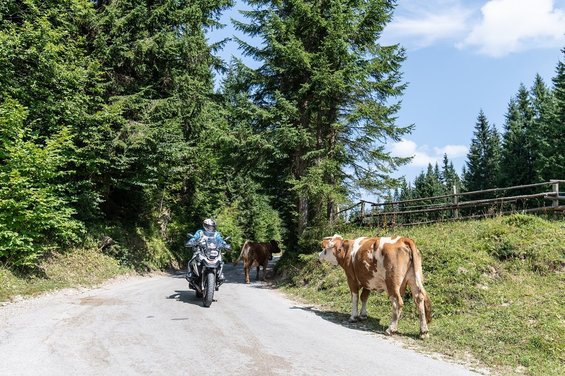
209,225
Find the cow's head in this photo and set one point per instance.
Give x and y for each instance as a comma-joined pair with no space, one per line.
274,248
331,246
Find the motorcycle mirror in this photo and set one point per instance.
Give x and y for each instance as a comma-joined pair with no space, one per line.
189,235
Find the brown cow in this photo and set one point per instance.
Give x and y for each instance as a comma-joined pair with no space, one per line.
381,264
257,254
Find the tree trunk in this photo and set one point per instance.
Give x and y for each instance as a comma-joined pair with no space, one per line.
302,213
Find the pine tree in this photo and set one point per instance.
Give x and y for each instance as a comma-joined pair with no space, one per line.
554,168
517,163
542,102
246,155
483,158
449,177
327,85
156,107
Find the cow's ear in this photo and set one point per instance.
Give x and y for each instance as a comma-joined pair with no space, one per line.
338,246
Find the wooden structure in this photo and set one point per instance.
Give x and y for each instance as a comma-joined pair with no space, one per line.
532,198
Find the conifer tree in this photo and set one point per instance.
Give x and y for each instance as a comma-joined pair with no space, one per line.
483,158
542,136
428,184
554,168
327,85
449,176
156,104
517,162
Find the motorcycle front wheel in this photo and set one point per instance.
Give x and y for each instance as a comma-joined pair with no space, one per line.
209,287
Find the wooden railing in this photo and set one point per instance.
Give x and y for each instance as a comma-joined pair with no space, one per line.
540,198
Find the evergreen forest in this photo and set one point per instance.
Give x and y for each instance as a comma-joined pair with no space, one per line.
114,133
530,150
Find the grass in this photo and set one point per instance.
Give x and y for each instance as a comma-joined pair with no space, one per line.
497,290
72,269
131,250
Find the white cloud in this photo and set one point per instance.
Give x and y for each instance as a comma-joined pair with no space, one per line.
423,155
509,26
422,23
496,29
452,151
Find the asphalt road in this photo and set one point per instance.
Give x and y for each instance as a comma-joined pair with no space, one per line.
156,326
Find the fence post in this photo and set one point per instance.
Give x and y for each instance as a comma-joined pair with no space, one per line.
556,191
455,202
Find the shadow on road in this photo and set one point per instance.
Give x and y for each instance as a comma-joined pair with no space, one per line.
234,275
372,325
186,296
368,325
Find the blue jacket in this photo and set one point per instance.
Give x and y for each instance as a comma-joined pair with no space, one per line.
200,233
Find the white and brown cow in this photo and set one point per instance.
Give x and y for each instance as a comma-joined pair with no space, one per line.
257,254
381,264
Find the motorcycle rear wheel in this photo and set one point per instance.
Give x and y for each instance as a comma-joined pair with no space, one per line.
209,288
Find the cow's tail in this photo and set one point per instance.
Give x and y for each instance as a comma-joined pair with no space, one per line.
243,249
419,275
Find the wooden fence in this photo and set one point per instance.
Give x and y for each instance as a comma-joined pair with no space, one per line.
532,198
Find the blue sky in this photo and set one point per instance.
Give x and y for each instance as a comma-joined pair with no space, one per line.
462,56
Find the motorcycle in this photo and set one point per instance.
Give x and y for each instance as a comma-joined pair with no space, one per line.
207,267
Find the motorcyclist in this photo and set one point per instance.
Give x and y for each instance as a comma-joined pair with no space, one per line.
208,229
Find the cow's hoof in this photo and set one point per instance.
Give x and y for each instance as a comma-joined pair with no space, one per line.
247,282
424,335
390,332
352,319
363,317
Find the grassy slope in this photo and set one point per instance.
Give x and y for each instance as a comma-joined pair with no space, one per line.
72,269
497,289
132,250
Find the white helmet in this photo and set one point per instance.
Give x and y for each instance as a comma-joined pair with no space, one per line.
209,225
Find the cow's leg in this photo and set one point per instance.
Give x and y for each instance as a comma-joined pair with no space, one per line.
257,275
403,287
354,289
420,297
246,272
364,297
397,304
393,285
264,277
354,306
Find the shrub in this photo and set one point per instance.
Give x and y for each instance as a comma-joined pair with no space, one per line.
35,213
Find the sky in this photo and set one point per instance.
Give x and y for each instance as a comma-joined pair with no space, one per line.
463,56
